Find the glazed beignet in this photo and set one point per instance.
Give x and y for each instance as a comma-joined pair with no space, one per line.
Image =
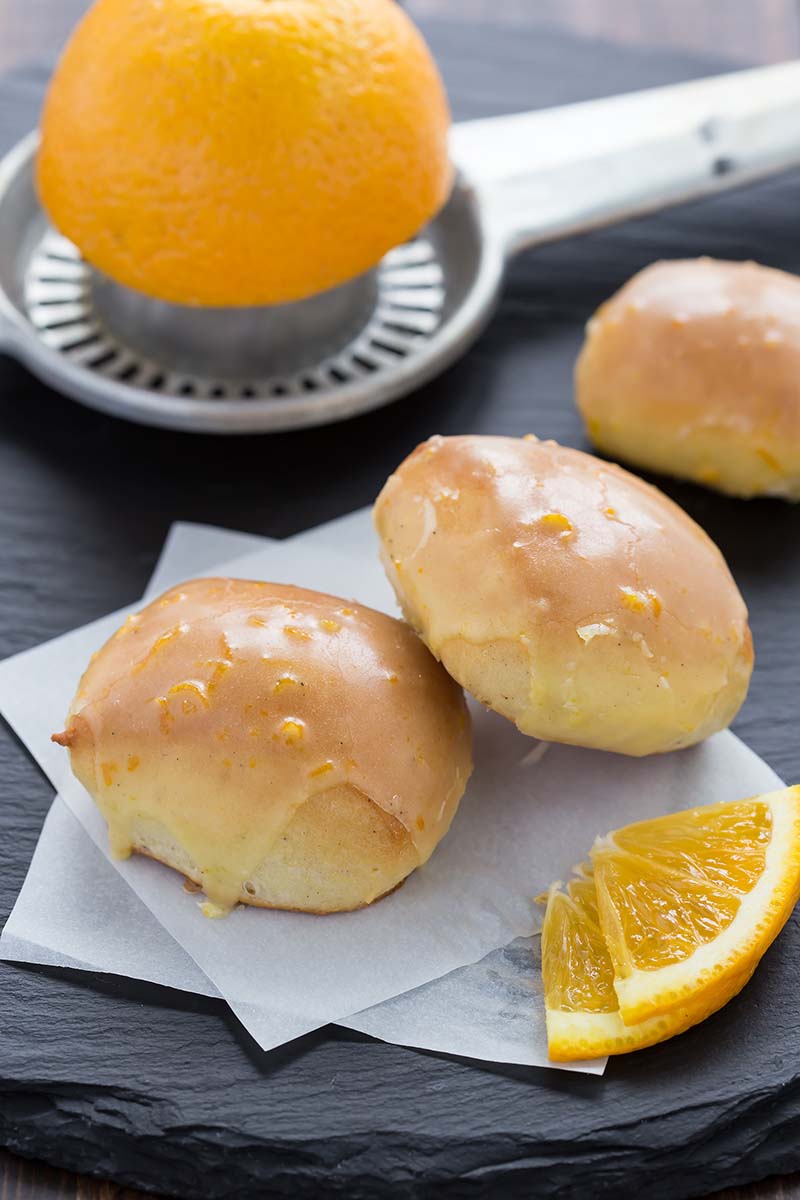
565,593
277,746
693,369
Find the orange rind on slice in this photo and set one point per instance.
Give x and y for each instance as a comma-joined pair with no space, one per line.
667,924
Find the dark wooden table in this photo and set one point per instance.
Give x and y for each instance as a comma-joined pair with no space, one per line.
745,30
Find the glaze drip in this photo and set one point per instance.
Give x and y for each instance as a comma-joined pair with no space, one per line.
227,704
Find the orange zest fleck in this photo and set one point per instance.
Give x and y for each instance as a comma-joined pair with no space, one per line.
109,770
295,632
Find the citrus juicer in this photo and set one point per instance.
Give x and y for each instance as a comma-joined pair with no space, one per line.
522,180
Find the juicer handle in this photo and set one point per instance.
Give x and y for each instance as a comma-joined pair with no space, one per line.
560,171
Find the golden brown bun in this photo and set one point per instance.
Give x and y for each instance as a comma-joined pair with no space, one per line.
693,369
566,594
278,746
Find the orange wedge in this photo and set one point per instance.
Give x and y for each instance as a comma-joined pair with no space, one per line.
667,924
581,1007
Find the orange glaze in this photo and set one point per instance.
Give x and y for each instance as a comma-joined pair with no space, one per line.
592,585
365,706
692,369
520,493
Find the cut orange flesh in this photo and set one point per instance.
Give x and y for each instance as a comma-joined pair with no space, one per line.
667,924
582,1011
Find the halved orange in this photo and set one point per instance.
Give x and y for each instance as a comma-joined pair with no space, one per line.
668,923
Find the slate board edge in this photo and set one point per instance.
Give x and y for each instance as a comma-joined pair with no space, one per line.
752,1139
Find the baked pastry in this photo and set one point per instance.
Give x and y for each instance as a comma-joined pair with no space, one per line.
565,593
279,747
693,369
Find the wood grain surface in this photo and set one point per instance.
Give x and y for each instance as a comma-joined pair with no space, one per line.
743,30
747,30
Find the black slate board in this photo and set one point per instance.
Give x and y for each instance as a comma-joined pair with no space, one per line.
164,1091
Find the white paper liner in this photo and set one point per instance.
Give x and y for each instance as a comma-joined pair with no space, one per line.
491,1009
